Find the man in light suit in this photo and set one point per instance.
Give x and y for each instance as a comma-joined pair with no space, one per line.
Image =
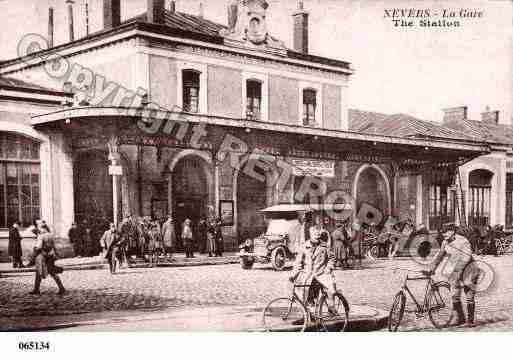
316,262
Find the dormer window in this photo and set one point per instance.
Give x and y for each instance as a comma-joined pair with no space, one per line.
309,107
191,90
254,99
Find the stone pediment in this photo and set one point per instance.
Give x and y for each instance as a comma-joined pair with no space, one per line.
247,27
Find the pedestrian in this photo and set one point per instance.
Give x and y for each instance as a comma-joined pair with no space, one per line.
187,238
73,235
107,238
329,227
219,240
32,256
14,249
88,242
357,236
115,251
461,272
154,239
202,235
142,235
339,240
45,261
211,238
169,236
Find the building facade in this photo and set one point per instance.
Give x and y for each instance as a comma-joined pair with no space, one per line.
176,114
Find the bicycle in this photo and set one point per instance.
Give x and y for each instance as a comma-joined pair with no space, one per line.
284,314
437,303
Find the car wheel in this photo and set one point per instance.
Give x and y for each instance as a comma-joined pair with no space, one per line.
278,258
246,263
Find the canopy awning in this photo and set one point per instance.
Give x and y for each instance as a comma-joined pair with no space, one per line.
406,153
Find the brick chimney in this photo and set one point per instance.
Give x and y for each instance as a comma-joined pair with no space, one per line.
111,13
70,20
50,28
301,29
455,114
233,9
201,11
172,7
490,116
156,11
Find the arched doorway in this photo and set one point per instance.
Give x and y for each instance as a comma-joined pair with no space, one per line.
191,194
372,189
93,187
479,197
252,196
93,197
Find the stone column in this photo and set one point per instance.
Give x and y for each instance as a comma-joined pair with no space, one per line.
114,170
216,187
170,193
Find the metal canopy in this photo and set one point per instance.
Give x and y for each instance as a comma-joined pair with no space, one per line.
403,153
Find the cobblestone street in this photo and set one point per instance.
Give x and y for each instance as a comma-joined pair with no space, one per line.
143,289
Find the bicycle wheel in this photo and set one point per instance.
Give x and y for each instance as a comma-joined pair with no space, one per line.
333,322
439,301
373,252
396,312
284,314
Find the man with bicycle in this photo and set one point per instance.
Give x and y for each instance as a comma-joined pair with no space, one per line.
460,271
315,262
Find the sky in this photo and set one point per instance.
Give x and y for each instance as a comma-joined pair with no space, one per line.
415,70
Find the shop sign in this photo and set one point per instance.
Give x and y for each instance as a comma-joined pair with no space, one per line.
162,141
313,167
313,154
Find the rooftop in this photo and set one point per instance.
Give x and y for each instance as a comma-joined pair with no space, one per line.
403,125
187,26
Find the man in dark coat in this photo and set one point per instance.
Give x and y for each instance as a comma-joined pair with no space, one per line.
218,236
74,238
14,249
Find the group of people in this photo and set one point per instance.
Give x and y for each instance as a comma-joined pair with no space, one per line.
337,236
84,236
153,239
317,256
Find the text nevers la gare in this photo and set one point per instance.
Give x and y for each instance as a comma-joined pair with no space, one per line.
432,18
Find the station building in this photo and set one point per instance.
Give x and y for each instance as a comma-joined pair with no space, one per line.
174,113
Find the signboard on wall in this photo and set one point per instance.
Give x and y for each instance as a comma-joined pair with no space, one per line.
226,212
313,167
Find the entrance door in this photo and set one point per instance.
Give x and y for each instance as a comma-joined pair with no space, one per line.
93,188
93,196
251,198
190,192
372,191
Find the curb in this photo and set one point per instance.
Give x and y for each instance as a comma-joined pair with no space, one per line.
103,265
379,321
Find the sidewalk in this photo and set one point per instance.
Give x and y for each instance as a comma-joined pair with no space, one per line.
233,318
98,262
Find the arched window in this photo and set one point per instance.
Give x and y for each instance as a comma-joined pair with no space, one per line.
191,90
254,99
309,107
19,180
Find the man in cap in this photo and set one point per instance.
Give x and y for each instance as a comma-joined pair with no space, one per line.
316,262
459,270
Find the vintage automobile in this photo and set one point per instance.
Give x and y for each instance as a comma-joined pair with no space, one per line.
281,240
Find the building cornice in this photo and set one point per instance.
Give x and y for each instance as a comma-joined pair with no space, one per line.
118,112
164,33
